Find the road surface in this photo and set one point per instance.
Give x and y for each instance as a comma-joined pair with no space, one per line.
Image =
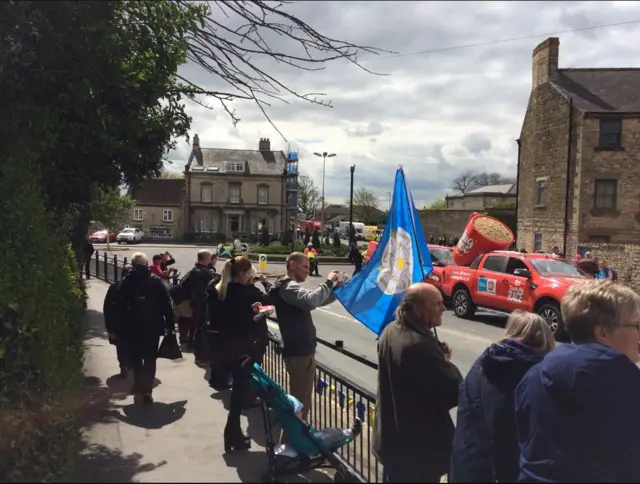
467,338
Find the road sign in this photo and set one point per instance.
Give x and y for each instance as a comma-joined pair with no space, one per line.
244,248
262,263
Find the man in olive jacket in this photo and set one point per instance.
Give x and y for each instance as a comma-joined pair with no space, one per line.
417,386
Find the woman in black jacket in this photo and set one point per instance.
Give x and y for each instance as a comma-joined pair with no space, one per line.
485,445
242,335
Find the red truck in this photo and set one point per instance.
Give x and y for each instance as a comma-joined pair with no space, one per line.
441,256
505,281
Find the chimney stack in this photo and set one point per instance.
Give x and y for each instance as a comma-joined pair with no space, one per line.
264,145
196,141
545,61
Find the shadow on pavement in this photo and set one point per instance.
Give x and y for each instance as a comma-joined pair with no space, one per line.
94,325
491,319
153,417
98,463
118,384
246,464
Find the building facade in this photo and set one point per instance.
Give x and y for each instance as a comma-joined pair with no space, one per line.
157,209
579,156
233,193
484,197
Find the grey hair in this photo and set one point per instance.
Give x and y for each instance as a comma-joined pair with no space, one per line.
531,330
126,269
597,303
203,254
139,259
410,300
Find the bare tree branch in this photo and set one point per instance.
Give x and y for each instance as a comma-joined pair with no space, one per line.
232,54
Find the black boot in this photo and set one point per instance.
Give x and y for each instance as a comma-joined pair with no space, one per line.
236,440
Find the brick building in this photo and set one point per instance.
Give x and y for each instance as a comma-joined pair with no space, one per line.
579,156
503,195
157,209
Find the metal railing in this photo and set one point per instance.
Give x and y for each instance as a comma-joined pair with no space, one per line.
337,401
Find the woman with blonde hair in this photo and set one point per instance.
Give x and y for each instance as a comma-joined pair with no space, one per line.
240,335
485,445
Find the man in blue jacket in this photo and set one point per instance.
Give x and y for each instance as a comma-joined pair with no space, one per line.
577,411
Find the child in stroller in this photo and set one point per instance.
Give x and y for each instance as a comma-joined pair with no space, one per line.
306,448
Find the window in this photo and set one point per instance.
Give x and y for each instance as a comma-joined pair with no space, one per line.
537,241
515,263
138,214
203,224
234,193
167,215
205,193
263,195
541,191
235,167
605,194
234,223
610,133
270,223
160,233
494,263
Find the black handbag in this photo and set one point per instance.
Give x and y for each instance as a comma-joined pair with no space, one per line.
169,348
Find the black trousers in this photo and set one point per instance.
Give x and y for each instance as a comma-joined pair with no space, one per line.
144,355
87,268
241,385
124,354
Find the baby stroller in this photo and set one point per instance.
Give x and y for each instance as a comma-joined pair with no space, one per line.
306,447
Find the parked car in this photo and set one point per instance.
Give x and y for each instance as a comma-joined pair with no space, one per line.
441,256
130,236
505,281
100,237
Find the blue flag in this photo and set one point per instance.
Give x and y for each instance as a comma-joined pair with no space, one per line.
401,259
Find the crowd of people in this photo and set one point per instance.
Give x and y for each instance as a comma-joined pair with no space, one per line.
528,411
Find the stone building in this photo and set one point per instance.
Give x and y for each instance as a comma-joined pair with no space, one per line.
157,209
232,193
503,195
579,156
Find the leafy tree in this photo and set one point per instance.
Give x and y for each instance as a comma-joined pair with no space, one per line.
108,205
172,175
308,197
365,205
439,204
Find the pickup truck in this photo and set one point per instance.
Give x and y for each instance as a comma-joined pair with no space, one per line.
505,281
441,256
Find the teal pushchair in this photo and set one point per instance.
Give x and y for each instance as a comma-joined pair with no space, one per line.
306,447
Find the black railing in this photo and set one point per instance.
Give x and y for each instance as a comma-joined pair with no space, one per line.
337,400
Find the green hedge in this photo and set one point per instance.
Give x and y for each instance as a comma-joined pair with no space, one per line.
41,331
279,249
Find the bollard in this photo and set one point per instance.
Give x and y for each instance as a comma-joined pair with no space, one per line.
262,263
97,264
106,268
115,267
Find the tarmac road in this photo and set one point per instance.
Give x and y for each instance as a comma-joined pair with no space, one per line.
467,338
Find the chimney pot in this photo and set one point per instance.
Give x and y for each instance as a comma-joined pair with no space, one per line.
545,61
264,145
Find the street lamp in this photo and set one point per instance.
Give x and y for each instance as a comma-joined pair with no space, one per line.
324,157
352,235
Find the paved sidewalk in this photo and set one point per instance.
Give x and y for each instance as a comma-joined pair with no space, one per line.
177,439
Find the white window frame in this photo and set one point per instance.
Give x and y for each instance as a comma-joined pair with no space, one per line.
234,167
214,222
138,214
270,223
537,241
206,189
541,200
204,224
232,190
167,215
160,232
263,195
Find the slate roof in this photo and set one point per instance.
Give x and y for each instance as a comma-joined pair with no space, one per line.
506,189
257,162
158,191
615,90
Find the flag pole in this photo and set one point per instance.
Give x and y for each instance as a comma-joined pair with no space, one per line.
413,228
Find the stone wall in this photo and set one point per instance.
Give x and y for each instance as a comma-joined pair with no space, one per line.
625,259
444,222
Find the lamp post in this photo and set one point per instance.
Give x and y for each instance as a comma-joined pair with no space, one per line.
351,231
324,157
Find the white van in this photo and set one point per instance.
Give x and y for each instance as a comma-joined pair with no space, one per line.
343,229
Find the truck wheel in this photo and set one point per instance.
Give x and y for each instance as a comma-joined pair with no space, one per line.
550,312
463,305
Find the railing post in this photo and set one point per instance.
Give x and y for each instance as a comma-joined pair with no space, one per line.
124,262
115,267
97,264
106,268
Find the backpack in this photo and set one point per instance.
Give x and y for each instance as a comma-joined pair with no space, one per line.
180,292
140,303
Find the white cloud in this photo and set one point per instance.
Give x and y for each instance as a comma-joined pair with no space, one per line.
437,113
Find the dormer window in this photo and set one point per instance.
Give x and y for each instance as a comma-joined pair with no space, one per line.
235,167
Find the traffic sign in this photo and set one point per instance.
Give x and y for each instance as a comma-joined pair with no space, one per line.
244,248
262,263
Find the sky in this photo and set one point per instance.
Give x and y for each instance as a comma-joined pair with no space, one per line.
446,105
